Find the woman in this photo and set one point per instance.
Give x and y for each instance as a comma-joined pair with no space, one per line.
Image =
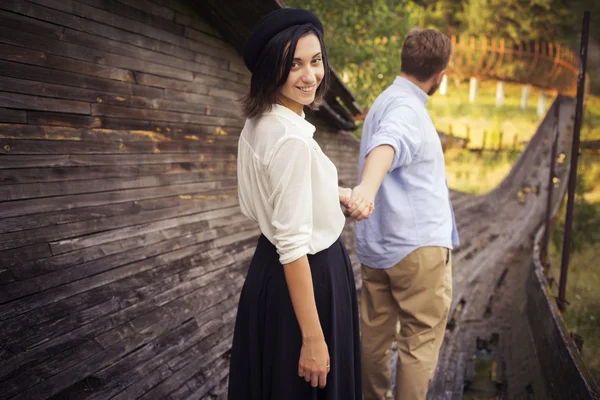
296,334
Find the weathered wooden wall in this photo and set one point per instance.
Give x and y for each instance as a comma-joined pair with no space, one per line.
122,248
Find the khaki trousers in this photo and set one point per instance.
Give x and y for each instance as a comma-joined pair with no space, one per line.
417,293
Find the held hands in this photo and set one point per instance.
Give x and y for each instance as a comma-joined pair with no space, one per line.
359,202
314,362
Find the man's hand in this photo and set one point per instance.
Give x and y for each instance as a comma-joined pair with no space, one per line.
362,203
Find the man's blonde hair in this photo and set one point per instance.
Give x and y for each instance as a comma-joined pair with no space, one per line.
425,53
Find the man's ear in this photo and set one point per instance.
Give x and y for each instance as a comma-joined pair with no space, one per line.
439,75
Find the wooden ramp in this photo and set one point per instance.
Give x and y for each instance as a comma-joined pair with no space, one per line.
488,351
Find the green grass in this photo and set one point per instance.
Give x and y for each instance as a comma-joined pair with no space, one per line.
453,112
477,173
583,314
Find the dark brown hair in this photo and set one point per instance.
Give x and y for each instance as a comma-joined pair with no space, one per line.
425,53
273,67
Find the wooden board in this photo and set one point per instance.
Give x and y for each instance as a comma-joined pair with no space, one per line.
122,246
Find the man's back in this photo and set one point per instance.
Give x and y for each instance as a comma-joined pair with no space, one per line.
412,207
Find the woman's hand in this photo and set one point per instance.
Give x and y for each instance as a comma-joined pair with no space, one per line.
314,362
344,194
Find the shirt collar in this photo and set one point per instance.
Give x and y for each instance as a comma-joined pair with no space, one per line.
299,121
412,88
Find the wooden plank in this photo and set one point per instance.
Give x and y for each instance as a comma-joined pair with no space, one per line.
68,245
48,263
15,340
225,94
88,269
162,82
84,172
38,58
141,302
204,105
194,131
57,17
43,132
97,36
66,188
148,373
36,206
128,369
45,234
218,342
60,55
123,9
37,372
31,87
210,379
195,98
152,8
73,374
200,86
66,160
41,121
35,73
38,119
109,19
52,147
12,116
154,115
91,27
196,34
193,20
17,257
214,346
26,24
26,102
178,57
114,320
105,328
91,55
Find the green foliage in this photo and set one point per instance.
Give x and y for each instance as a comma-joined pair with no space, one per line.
364,40
520,20
364,37
586,214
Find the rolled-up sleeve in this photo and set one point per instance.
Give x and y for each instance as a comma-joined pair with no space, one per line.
399,129
289,174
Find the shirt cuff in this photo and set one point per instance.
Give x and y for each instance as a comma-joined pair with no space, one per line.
385,141
293,255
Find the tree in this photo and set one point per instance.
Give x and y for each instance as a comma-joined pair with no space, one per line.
364,40
519,20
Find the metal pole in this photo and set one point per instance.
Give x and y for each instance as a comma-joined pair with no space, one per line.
585,31
546,239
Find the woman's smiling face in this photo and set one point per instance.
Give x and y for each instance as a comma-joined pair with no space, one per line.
305,75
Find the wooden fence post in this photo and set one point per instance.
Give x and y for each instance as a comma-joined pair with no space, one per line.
483,141
467,136
444,85
472,89
500,141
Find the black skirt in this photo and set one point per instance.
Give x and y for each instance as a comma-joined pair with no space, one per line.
267,338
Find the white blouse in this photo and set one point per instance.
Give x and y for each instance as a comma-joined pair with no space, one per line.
288,185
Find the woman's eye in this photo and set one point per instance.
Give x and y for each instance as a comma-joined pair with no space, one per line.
316,60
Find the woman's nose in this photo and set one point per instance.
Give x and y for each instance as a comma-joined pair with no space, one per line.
309,76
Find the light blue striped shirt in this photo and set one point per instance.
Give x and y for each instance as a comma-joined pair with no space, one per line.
412,206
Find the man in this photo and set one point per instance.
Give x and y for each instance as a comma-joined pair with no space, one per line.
405,245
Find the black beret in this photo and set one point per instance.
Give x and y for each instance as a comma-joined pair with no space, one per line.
270,25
